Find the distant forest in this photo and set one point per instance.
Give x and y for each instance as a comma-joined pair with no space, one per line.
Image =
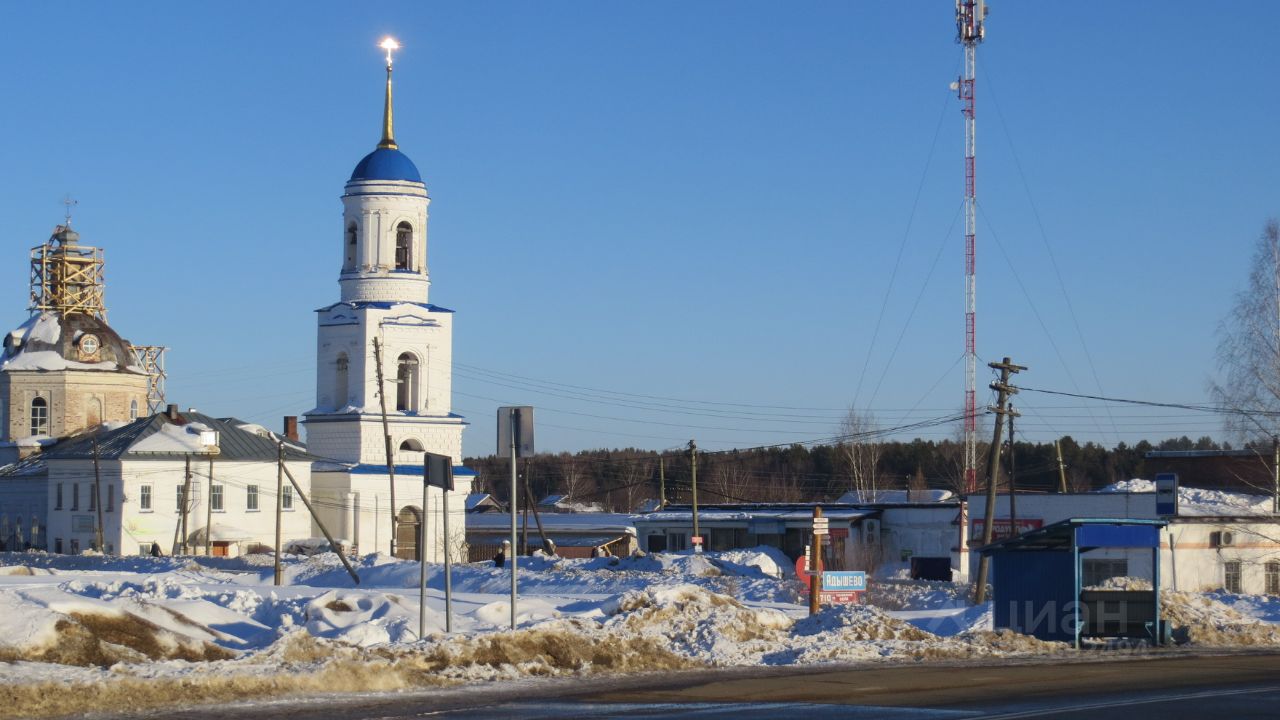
620,480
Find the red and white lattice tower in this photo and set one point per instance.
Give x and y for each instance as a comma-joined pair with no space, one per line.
970,28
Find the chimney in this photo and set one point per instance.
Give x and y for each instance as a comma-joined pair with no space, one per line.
291,427
172,412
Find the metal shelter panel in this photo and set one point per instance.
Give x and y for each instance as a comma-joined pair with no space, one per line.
1031,594
1117,536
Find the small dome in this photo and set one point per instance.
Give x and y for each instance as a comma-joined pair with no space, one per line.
386,164
51,341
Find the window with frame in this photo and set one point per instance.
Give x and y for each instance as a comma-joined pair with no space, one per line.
181,499
407,382
133,409
93,497
286,498
39,416
75,496
1273,577
349,260
342,384
111,497
1233,577
251,497
57,498
144,499
404,246
1098,570
215,498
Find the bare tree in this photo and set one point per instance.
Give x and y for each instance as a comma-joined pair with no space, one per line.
1249,355
860,450
574,483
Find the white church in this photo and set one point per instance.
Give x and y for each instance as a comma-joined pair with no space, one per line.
383,317
71,392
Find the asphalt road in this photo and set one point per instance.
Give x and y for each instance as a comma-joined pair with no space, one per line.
1168,687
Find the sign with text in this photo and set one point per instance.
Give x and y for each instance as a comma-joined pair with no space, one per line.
1002,528
1166,494
844,581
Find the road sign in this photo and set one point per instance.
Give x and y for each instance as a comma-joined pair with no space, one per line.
820,526
1166,494
844,581
518,422
438,471
696,539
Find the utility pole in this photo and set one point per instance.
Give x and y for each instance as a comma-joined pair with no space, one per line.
662,482
1275,468
208,515
1062,469
186,505
815,566
515,492
528,493
693,475
1003,390
279,571
97,494
386,436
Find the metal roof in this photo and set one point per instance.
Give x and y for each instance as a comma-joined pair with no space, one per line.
1062,535
234,443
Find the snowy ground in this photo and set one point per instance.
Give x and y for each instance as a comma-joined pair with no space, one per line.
142,632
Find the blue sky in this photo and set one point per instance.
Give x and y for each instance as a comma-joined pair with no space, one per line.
703,202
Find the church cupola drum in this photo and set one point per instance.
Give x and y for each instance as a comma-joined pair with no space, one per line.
383,315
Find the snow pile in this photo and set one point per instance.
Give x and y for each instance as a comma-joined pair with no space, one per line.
187,438
918,594
1206,620
1122,583
1200,502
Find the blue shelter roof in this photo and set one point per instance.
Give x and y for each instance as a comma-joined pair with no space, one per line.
386,164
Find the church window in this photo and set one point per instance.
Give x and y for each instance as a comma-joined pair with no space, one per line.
404,246
39,416
411,445
407,383
349,262
93,414
341,388
133,409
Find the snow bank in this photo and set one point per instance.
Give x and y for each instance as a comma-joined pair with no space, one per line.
1199,502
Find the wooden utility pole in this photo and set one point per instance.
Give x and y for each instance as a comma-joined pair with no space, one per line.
1062,469
693,476
662,483
528,493
97,496
186,505
386,436
1275,469
1003,390
208,514
279,571
297,489
1013,487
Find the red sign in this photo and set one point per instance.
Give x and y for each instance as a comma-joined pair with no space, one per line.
825,596
1002,528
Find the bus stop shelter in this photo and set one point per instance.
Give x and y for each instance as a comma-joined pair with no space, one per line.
1036,582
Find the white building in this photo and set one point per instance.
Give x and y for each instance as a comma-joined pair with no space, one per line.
384,281
1228,542
142,469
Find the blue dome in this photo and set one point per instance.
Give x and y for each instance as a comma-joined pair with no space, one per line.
386,164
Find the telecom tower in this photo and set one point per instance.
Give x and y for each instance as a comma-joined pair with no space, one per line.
970,29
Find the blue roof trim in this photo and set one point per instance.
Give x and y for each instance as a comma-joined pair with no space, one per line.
407,470
384,305
386,164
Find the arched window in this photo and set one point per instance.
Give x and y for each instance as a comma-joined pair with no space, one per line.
407,382
349,260
404,246
133,409
39,416
341,387
411,445
93,413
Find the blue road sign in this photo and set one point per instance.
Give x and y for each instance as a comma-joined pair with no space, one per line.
844,581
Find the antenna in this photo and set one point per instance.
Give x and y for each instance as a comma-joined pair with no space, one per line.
970,30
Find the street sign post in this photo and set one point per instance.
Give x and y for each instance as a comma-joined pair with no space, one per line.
437,471
515,436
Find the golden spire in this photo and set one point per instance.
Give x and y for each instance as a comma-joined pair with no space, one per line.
388,123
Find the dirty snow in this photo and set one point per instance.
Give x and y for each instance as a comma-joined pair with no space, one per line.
156,631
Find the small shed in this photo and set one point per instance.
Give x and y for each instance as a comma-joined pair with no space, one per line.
1037,582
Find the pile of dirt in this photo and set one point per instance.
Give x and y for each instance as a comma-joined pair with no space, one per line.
697,624
104,639
859,623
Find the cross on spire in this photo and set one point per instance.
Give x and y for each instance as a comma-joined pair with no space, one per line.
70,203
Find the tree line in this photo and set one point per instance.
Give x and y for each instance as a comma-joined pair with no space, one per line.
620,480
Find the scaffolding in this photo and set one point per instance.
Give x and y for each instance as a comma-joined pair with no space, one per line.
67,277
151,359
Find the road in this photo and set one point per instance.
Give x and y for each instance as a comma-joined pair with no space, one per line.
1171,687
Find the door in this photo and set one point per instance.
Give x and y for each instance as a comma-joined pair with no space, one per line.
408,525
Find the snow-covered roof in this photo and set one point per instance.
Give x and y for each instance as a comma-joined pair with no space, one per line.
617,523
900,497
50,341
747,515
1200,502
